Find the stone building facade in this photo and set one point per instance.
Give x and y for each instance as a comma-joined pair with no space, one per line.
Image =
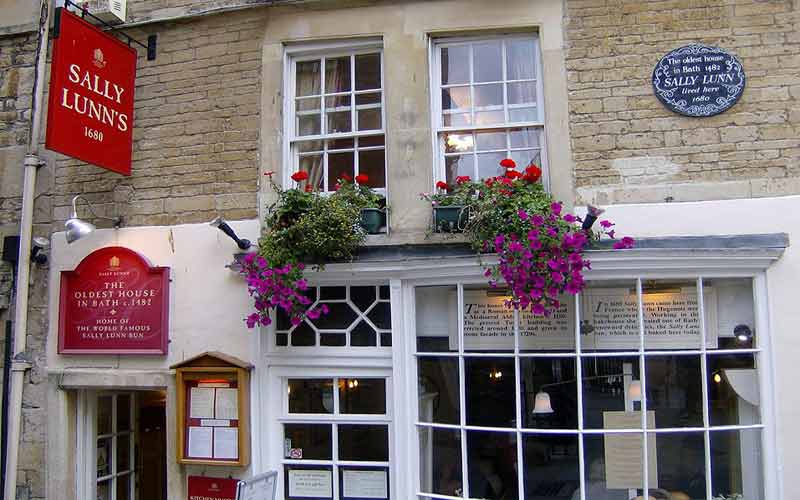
210,121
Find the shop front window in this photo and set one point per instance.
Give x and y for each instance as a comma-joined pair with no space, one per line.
336,438
115,446
634,389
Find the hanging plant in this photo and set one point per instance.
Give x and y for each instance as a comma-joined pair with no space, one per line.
540,249
302,228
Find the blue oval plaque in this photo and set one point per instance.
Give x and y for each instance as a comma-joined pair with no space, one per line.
698,80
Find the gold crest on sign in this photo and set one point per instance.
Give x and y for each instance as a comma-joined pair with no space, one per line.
99,58
114,261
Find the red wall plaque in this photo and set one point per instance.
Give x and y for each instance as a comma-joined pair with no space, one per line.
90,112
212,488
114,303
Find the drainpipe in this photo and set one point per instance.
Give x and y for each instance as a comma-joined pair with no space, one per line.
19,360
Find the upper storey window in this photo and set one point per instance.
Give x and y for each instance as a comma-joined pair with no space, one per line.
336,119
487,104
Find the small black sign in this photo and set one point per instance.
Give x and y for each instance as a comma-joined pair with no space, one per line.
698,80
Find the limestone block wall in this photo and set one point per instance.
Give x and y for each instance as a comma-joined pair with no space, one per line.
628,148
196,129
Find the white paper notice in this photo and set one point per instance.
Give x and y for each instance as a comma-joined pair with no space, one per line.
623,452
215,423
226,442
365,484
226,405
200,442
310,483
201,402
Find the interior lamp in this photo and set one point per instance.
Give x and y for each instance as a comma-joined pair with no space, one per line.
635,390
77,228
541,405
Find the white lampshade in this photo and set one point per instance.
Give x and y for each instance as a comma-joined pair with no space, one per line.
77,228
541,403
635,390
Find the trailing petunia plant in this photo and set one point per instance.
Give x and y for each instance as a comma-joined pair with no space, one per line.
303,228
540,248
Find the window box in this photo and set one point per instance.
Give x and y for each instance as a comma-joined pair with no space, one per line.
373,219
452,219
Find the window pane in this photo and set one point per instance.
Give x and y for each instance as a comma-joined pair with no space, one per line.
736,464
303,335
524,158
455,142
340,144
372,163
482,334
488,62
732,301
124,487
488,95
522,93
517,115
547,333
489,118
524,137
492,465
332,339
295,477
308,125
104,415
490,392
369,119
549,393
368,71
339,164
456,119
307,79
104,490
309,146
337,74
681,471
436,318
104,457
310,396
308,104
458,165
440,461
610,385
485,141
313,165
489,164
674,390
455,64
520,59
123,412
438,390
671,314
613,465
123,452
370,141
362,396
733,390
337,110
456,98
308,441
550,466
369,443
610,316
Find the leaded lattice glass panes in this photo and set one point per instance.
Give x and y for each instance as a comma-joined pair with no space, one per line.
358,316
515,409
487,105
337,118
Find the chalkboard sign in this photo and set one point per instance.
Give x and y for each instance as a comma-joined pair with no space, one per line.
698,80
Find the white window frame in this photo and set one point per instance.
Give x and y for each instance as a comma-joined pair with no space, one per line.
86,457
404,276
294,53
438,129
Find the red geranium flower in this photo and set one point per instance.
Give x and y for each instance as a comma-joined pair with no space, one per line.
345,177
533,173
362,178
461,179
489,182
269,174
299,176
443,185
309,188
508,163
513,174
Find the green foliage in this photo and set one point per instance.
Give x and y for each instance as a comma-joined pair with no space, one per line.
359,195
311,228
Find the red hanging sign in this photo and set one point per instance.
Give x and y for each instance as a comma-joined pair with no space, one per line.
114,302
212,488
90,111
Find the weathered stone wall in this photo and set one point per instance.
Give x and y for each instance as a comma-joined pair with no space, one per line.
628,148
196,130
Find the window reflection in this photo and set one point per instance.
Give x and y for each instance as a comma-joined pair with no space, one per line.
492,463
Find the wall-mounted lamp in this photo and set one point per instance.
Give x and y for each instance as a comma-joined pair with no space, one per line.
38,249
223,226
77,228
